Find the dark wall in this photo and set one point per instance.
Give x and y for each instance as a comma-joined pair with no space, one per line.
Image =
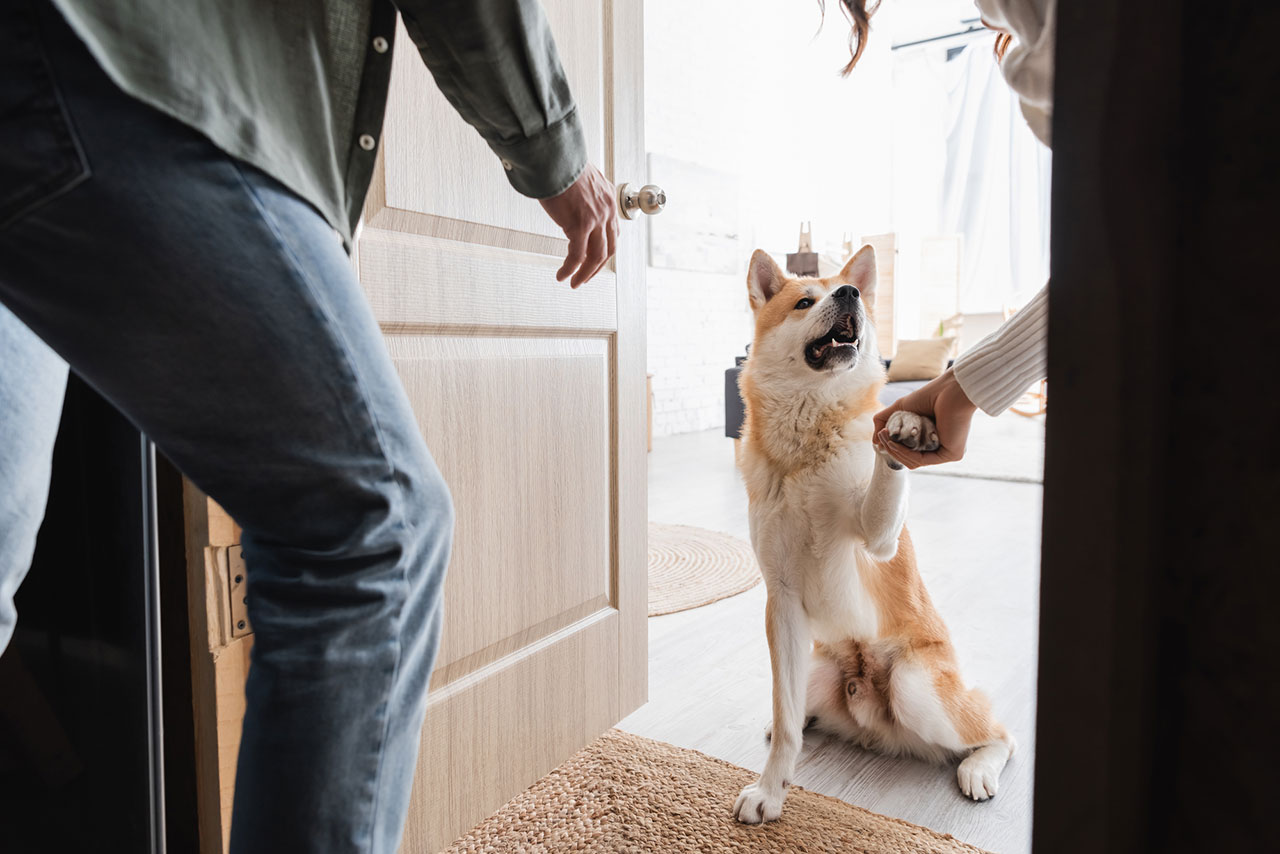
75,767
1158,659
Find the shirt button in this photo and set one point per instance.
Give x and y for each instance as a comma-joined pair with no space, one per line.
367,142
380,44
506,164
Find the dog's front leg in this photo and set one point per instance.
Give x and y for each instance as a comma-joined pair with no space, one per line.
789,641
884,508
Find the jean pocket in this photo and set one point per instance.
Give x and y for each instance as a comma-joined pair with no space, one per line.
40,157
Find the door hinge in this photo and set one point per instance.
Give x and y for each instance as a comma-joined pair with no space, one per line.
226,592
238,592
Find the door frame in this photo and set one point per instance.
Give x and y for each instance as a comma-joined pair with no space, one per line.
1157,692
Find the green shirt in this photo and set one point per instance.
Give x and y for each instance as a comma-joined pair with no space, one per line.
298,88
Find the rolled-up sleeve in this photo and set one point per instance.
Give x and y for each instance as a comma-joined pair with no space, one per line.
496,63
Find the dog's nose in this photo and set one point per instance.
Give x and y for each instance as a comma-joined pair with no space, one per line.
847,293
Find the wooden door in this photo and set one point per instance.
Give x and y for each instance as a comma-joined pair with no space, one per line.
531,397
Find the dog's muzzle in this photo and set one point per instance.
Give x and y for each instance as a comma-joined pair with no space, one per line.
838,346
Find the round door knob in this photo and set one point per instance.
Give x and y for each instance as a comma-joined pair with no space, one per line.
649,199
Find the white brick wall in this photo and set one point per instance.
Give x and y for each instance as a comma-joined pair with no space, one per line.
697,323
744,86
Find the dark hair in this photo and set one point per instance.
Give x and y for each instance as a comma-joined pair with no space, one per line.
859,14
860,22
1003,40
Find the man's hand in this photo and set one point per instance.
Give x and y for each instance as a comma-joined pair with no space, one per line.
588,213
945,401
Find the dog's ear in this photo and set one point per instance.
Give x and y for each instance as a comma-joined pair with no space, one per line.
861,273
764,279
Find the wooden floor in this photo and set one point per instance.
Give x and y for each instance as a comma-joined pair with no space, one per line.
978,545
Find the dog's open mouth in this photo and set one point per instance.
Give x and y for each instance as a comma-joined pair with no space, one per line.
839,344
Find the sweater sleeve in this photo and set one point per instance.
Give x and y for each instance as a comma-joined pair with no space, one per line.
1028,63
996,372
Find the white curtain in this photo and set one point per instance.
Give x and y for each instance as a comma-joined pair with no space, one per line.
995,188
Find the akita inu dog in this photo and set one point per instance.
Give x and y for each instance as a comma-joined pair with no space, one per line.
827,512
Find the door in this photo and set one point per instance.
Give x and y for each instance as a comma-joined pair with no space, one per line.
531,398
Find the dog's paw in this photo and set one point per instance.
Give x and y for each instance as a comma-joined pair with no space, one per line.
756,804
979,777
917,432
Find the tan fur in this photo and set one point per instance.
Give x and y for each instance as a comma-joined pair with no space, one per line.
890,681
829,432
904,602
910,619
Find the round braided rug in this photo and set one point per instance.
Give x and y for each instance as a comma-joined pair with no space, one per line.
624,794
689,567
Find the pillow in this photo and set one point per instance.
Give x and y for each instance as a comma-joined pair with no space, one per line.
921,360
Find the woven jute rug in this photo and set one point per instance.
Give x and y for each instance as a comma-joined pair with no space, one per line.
689,567
625,794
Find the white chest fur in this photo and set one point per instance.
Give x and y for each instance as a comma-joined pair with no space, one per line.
806,534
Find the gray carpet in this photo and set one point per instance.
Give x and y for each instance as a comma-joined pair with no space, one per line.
1010,447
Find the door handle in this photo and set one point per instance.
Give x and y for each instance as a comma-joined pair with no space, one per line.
649,199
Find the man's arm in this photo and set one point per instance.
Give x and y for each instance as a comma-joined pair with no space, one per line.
496,63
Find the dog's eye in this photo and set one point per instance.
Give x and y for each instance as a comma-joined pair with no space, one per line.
804,303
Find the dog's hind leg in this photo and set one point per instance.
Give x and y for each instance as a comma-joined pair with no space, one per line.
789,638
979,772
930,701
992,745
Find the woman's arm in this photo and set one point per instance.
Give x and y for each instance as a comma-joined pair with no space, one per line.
997,372
993,375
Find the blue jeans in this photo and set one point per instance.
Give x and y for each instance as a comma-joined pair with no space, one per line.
219,312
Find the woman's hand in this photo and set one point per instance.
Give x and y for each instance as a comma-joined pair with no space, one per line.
588,213
945,402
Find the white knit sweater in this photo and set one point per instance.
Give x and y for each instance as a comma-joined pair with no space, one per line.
996,372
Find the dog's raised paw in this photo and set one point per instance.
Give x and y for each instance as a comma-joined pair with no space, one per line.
756,805
917,432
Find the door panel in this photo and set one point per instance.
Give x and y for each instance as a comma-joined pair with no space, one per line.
436,164
477,287
521,429
531,398
490,735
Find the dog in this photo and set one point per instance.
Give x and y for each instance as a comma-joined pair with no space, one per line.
827,512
